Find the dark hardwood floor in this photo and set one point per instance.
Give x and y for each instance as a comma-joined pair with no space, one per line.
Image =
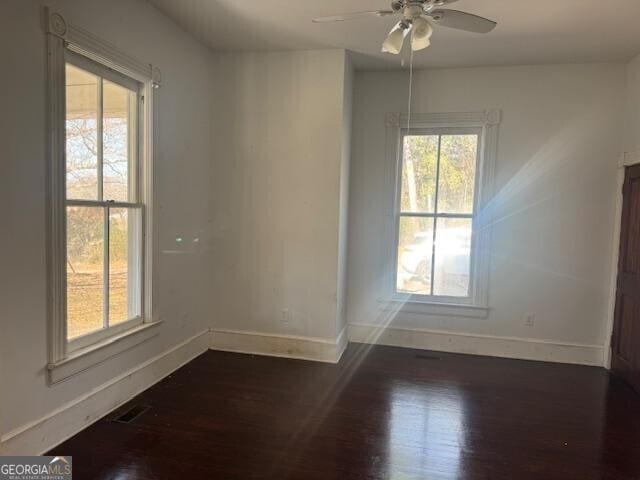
382,413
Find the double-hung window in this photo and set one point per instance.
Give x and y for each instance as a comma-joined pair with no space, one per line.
104,233
100,196
435,220
442,176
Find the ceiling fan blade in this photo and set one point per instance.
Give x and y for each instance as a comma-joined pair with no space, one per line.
348,16
443,3
462,21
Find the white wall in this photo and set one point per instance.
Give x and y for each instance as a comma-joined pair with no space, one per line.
283,142
553,204
184,112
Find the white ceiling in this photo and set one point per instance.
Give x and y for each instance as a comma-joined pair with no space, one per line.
528,32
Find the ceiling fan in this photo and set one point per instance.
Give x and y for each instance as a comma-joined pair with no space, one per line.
418,16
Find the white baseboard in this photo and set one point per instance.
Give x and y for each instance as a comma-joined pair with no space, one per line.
287,346
41,435
505,347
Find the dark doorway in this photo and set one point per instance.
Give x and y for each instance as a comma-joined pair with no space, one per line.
626,331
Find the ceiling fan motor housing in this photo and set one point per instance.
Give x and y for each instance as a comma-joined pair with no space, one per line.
413,10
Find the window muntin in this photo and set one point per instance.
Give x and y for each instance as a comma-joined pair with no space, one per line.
436,208
103,214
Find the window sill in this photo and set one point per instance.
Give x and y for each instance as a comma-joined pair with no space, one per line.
423,307
92,355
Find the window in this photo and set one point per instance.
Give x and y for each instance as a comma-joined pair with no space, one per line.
100,192
103,210
435,220
443,167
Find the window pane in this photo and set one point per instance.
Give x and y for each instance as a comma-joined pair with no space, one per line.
452,259
119,137
415,247
419,164
124,264
82,134
85,270
456,184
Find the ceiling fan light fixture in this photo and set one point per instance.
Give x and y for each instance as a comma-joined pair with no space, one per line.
395,39
421,34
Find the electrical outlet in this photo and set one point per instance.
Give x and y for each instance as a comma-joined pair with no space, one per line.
285,317
529,320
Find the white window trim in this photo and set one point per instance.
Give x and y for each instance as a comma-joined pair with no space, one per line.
487,123
63,37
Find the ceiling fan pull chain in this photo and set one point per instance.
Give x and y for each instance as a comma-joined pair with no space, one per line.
410,92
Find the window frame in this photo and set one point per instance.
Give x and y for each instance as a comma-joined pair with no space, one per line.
399,213
134,175
485,124
64,42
